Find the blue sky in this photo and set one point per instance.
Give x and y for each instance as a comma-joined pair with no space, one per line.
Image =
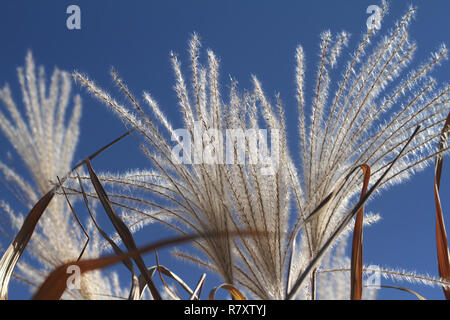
250,37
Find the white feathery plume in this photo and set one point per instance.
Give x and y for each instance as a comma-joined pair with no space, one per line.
46,144
368,119
355,131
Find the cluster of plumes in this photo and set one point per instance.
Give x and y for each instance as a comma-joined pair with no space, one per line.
368,120
217,198
47,144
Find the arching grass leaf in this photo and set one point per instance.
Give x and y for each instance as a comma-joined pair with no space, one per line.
235,293
441,235
356,274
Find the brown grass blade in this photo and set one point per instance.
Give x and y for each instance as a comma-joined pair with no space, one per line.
356,273
198,289
135,293
134,290
172,294
163,270
173,276
95,154
290,267
441,235
116,248
316,212
420,297
55,284
311,266
17,247
76,218
15,250
235,293
122,229
322,207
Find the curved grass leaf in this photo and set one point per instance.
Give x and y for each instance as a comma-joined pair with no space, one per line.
198,289
313,263
235,293
441,235
316,212
356,273
122,230
322,207
16,248
76,219
172,294
134,292
142,284
53,287
420,297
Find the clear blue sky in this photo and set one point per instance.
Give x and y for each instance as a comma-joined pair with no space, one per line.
250,37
